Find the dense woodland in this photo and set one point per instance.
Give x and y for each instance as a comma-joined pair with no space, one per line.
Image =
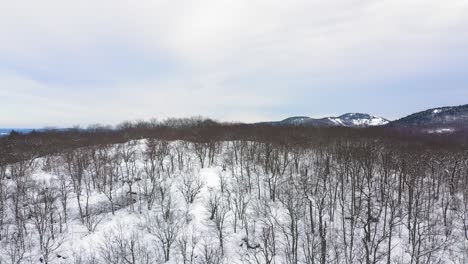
197,191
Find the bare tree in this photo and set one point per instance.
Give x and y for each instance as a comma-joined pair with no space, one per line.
112,172
21,175
165,227
77,162
191,185
12,250
3,198
294,206
151,167
239,199
210,253
121,247
187,244
129,170
201,151
219,209
43,212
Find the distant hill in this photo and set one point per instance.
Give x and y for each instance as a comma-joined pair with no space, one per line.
346,120
436,120
445,119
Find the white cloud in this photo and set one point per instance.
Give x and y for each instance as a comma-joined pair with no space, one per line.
38,105
209,34
213,45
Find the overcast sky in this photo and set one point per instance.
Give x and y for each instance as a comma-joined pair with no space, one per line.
67,62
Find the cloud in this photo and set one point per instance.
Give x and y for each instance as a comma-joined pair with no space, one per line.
219,58
37,105
255,34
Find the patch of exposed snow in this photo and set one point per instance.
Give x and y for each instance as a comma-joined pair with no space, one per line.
373,121
299,120
336,121
210,176
43,177
441,131
377,121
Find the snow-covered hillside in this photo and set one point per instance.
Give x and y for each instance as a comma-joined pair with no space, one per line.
346,120
441,119
151,201
359,120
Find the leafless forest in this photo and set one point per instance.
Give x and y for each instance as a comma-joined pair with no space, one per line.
188,191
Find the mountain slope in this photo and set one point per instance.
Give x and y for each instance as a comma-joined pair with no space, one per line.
361,120
346,120
443,118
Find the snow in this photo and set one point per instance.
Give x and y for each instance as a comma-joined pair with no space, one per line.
352,121
441,131
361,122
378,121
299,120
79,240
43,177
210,176
337,121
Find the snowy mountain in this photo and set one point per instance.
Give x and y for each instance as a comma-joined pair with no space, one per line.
360,120
436,120
346,120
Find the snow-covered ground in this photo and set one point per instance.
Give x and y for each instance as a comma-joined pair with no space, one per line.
244,210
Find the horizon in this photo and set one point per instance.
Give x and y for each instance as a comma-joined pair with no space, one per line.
207,117
210,118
